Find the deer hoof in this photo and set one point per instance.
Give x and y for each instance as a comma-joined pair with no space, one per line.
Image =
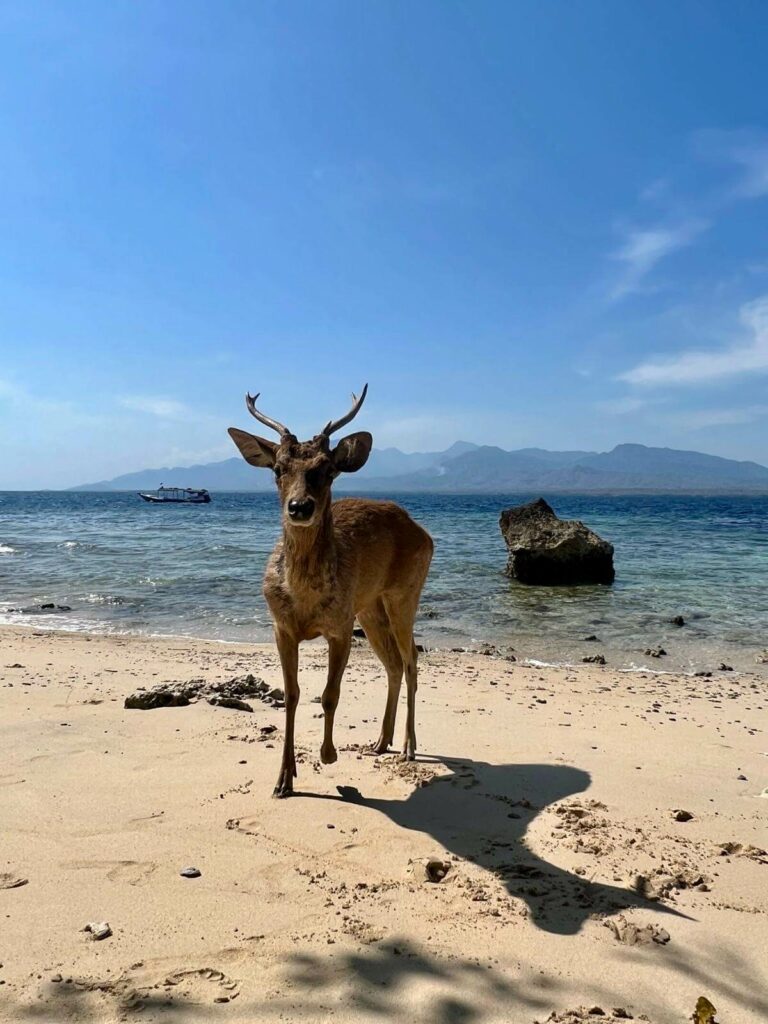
380,747
284,785
328,755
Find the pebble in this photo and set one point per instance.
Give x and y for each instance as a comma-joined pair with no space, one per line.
190,873
681,815
98,929
436,870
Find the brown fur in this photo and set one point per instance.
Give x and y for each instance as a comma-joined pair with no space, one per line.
354,558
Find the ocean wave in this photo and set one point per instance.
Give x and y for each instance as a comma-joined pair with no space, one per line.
6,549
107,599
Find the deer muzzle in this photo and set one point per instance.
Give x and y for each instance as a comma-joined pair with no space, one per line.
301,510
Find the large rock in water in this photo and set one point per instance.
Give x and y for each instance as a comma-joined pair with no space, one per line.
546,550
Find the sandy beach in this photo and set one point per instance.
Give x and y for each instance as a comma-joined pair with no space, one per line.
547,798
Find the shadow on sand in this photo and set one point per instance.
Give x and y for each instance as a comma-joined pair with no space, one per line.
481,812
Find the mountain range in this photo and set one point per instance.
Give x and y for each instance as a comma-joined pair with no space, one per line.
466,467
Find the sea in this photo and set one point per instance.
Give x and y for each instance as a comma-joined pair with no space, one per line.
110,563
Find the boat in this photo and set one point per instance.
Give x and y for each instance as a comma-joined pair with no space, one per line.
177,496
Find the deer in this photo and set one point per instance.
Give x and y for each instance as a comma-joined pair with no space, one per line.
335,562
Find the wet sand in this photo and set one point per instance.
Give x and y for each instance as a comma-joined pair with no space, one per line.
546,798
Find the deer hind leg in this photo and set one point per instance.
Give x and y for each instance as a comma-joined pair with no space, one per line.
375,622
338,655
401,611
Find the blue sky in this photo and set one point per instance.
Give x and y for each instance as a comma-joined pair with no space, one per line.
522,223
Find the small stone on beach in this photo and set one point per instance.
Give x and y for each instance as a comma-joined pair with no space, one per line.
98,929
681,815
190,873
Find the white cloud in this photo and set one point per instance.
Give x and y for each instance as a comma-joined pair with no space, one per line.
156,405
643,248
701,366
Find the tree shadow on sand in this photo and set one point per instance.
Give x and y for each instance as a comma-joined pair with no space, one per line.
481,812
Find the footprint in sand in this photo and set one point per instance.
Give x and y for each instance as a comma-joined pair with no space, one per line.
133,872
199,985
8,880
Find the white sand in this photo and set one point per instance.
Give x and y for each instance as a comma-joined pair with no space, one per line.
316,908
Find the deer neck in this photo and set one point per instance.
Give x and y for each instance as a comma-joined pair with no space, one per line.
310,555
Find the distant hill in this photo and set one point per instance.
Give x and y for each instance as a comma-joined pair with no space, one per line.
236,475
472,468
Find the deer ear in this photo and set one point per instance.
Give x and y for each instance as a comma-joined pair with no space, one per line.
351,453
256,450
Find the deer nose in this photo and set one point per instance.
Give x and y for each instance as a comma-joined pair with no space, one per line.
301,509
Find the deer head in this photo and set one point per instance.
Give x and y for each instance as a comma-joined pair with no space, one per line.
304,470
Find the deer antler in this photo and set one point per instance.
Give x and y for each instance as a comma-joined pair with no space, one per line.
334,425
250,401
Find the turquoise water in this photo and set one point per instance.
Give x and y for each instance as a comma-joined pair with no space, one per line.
124,566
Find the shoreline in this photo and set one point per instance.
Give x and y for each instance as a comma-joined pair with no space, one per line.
550,794
741,659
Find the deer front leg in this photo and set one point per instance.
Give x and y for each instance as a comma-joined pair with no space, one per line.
338,655
288,649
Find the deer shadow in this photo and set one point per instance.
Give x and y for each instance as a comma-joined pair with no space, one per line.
481,812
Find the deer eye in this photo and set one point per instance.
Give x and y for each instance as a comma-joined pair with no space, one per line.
277,471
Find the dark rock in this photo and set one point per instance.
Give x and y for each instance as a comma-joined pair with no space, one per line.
190,872
594,659
703,675
678,620
544,549
230,702
762,658
226,694
591,639
436,870
681,815
160,697
241,686
37,609
722,667
655,652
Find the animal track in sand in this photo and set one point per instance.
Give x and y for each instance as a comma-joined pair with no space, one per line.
194,985
134,872
131,825
9,880
11,780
